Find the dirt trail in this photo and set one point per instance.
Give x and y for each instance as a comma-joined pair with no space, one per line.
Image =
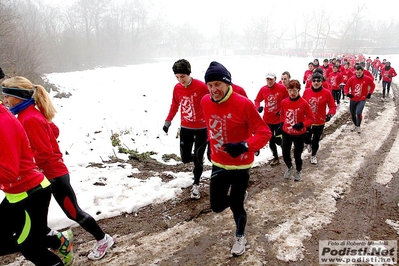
344,197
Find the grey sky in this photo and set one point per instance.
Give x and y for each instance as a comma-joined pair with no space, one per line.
206,14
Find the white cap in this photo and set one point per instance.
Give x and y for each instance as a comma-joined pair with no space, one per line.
270,75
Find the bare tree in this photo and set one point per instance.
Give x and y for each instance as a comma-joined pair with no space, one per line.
322,23
352,31
249,38
262,34
7,36
224,34
22,43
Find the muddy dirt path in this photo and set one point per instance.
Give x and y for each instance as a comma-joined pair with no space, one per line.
347,195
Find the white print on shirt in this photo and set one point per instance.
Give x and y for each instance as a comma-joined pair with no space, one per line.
291,117
333,80
358,89
271,103
217,126
187,108
313,102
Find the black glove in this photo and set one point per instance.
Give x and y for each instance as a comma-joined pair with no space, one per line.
208,151
166,126
298,126
236,149
328,117
368,96
260,109
350,95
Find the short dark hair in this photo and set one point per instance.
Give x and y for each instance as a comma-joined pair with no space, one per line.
182,66
359,67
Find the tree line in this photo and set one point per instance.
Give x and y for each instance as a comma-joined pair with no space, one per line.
37,38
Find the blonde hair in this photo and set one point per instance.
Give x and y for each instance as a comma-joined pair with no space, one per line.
40,95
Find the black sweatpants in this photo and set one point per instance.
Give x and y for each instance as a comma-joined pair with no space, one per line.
337,95
313,135
272,142
286,144
198,139
237,181
23,228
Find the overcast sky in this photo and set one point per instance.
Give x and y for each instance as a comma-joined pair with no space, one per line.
239,12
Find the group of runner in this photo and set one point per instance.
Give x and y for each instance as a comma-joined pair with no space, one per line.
217,115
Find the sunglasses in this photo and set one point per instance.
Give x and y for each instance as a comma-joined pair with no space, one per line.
316,80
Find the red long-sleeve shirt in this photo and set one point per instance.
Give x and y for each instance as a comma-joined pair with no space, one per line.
294,111
387,75
239,90
319,100
43,142
232,120
307,75
346,75
18,171
335,79
272,97
359,87
189,100
326,70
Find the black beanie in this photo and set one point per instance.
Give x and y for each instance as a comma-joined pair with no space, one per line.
217,72
317,75
318,70
182,66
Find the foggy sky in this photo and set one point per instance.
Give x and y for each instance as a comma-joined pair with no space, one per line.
207,14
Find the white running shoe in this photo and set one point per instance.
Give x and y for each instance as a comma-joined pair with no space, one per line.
101,247
239,246
287,174
313,160
354,128
298,175
359,130
195,192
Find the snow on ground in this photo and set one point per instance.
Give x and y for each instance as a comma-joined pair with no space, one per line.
134,101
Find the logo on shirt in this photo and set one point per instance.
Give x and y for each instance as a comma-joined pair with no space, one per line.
217,130
187,108
291,117
358,89
271,103
313,102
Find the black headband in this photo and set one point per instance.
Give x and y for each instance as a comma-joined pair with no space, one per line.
18,93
